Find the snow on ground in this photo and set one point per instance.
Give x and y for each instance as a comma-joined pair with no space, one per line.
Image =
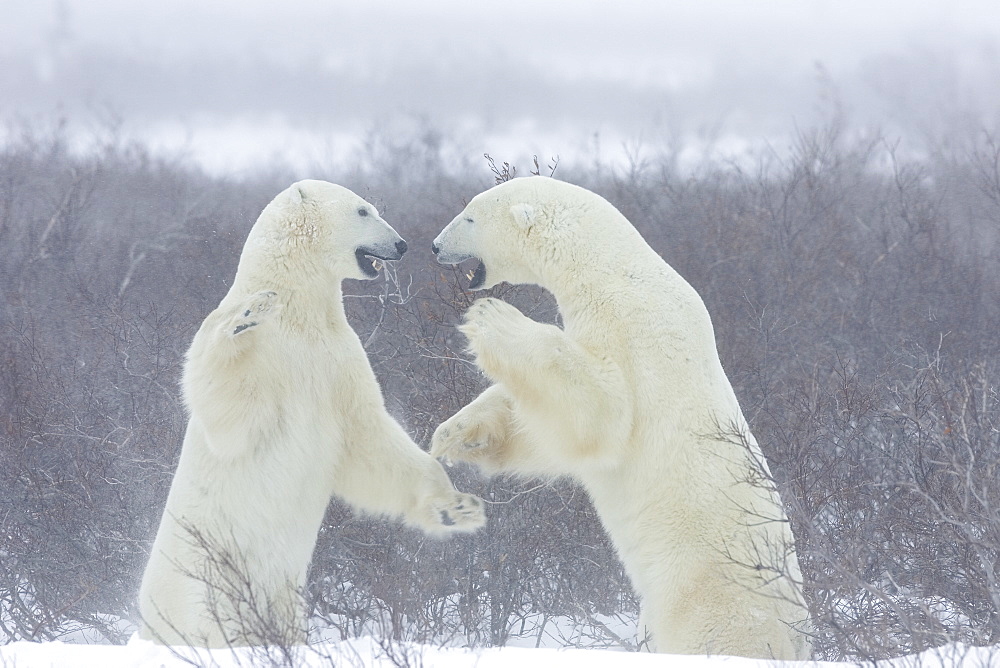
370,653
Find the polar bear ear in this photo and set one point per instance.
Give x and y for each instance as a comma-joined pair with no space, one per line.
524,214
295,195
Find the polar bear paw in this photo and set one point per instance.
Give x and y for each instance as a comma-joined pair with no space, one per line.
258,309
457,512
492,325
458,439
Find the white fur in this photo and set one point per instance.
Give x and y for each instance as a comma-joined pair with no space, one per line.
284,413
630,399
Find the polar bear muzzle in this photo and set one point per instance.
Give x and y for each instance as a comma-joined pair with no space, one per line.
369,256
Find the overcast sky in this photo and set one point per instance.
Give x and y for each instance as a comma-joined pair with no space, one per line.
236,83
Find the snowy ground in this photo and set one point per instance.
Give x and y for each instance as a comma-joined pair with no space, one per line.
369,653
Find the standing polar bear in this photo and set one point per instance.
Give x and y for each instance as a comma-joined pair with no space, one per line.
284,413
630,399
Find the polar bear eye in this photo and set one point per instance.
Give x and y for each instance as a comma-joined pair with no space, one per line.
469,220
362,212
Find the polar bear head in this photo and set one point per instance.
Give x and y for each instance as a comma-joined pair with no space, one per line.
327,228
526,229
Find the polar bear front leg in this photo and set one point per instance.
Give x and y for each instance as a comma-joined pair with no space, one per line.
504,340
391,475
259,308
442,509
574,403
220,372
229,329
484,433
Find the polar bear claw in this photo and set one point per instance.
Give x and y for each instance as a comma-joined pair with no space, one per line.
460,439
259,308
461,512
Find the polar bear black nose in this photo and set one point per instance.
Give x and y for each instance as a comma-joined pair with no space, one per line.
435,249
400,247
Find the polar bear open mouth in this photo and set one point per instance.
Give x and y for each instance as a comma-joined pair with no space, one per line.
463,264
371,261
476,274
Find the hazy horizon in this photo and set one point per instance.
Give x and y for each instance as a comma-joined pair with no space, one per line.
236,86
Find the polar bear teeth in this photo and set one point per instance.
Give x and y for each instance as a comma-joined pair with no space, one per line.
478,277
376,265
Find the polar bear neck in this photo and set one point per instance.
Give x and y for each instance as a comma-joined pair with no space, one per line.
614,265
633,294
601,294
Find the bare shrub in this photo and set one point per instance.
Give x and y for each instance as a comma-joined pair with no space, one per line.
853,295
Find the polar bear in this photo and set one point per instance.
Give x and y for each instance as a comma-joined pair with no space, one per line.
285,412
629,398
